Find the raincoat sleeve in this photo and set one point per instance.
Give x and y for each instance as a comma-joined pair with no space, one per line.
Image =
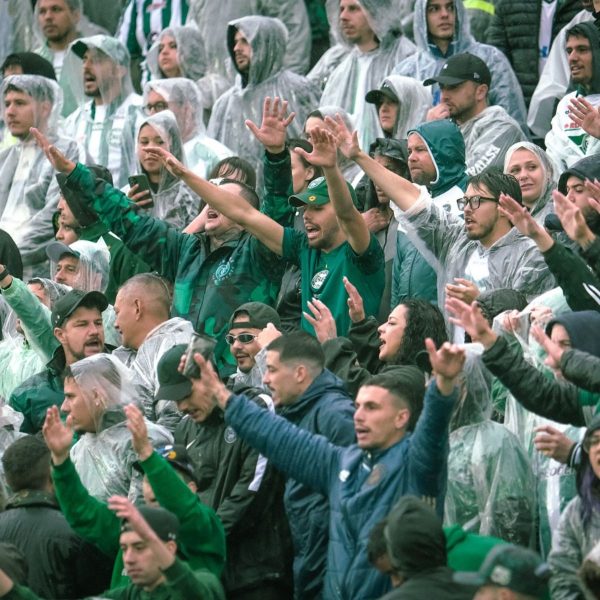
566,555
34,316
582,369
294,16
550,398
158,243
308,458
278,188
89,518
201,534
488,148
571,273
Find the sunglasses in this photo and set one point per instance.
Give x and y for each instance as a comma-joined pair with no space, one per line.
244,338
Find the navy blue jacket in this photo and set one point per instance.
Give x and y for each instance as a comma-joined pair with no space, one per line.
362,486
325,408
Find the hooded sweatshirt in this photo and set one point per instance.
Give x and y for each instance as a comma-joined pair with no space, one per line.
413,275
566,143
428,60
266,76
583,328
360,72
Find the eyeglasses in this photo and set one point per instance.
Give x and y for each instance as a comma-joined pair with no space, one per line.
473,201
590,442
244,338
156,107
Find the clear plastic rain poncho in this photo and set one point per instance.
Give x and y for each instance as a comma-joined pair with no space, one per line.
184,99
28,189
415,101
491,488
427,62
10,422
359,72
174,201
16,32
544,205
104,456
212,17
104,121
555,481
266,77
191,58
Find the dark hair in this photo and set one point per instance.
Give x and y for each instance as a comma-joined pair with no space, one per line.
423,320
299,346
315,113
407,384
376,546
246,192
26,464
228,167
577,31
30,63
588,485
498,183
305,145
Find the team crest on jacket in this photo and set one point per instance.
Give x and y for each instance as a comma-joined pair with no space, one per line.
376,474
319,279
229,435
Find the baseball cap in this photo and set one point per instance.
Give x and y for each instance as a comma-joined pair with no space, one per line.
64,307
177,456
259,316
162,521
514,567
385,91
172,385
56,250
462,67
317,194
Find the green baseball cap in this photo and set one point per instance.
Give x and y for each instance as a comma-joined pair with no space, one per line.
172,385
317,194
514,567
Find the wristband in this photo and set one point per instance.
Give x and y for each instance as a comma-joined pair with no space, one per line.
4,273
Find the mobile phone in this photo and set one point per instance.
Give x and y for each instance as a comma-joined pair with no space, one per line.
202,344
143,184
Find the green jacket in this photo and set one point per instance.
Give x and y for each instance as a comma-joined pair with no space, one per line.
181,584
208,285
201,538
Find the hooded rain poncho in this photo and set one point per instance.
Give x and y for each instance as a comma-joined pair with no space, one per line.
106,129
360,72
202,153
266,77
191,57
428,60
28,190
16,31
174,201
104,457
491,488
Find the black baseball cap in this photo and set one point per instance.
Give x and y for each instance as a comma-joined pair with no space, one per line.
172,385
64,307
259,316
385,91
162,521
177,456
519,569
462,67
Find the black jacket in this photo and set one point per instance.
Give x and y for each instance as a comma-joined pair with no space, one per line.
433,583
515,29
582,369
60,564
247,494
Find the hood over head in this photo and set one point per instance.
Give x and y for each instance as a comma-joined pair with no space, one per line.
268,39
191,52
462,30
447,149
583,328
586,168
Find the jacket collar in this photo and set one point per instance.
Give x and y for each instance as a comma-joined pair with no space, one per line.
32,498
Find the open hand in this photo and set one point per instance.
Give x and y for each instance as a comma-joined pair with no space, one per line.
209,385
446,363
324,153
174,166
321,319
593,188
572,219
585,115
273,129
139,432
57,159
465,290
553,350
519,216
58,436
471,319
346,140
356,307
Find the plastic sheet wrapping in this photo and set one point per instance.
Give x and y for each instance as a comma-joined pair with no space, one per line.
104,457
504,89
555,482
266,77
544,204
359,72
491,489
174,201
16,32
10,422
185,101
104,111
18,361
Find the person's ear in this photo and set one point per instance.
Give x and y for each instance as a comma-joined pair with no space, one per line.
192,485
481,92
137,306
59,334
172,546
402,418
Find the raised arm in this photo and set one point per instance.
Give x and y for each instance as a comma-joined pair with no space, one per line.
324,155
401,191
231,205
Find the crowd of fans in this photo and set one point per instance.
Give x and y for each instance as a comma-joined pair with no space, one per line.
300,300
